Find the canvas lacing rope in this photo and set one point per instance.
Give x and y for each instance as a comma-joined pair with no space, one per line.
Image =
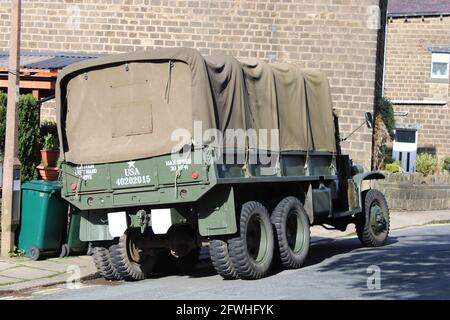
168,83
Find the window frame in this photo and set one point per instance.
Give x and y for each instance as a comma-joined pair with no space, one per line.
440,57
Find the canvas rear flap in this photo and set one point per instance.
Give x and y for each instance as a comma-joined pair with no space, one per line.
129,106
123,111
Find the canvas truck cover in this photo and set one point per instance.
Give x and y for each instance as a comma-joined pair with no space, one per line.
133,106
293,100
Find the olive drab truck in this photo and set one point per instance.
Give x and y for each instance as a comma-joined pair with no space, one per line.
168,151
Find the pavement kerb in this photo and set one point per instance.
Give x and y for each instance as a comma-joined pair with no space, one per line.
353,234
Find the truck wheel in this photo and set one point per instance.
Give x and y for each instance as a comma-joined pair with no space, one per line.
218,250
252,252
292,232
131,263
372,225
104,264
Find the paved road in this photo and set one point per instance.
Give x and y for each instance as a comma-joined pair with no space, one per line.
415,264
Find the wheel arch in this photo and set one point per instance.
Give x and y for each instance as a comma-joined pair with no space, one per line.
365,176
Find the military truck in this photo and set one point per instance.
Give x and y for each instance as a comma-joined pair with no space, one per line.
167,151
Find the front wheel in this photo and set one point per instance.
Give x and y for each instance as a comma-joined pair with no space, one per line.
252,251
372,224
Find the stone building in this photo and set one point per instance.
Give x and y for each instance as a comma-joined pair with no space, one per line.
338,36
417,69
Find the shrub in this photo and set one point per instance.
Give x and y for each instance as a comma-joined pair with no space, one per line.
426,163
393,167
28,148
387,114
446,164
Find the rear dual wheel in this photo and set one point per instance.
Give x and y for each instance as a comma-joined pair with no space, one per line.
251,253
291,224
104,263
131,262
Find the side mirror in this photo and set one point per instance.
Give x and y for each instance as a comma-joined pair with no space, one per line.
369,120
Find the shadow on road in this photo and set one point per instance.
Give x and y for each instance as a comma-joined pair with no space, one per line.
322,251
415,266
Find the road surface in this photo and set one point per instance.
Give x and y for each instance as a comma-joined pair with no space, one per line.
415,264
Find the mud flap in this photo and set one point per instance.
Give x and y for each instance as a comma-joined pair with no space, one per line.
94,226
216,215
309,205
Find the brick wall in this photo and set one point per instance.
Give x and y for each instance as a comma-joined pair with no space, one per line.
333,35
407,77
48,111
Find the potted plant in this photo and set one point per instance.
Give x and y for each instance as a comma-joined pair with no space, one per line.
48,169
50,151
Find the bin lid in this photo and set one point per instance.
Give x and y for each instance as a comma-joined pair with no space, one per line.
41,185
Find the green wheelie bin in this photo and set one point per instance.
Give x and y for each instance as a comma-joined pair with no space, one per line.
44,219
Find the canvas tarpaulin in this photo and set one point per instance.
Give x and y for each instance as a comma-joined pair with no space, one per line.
230,98
127,106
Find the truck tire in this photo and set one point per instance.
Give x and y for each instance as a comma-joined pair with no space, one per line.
252,251
372,224
291,224
221,261
131,264
104,264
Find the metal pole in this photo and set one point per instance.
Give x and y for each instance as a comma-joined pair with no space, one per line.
11,141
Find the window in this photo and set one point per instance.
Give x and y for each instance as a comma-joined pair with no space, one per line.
439,65
405,136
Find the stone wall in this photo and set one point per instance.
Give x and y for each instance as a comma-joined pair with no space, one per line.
337,36
408,77
415,192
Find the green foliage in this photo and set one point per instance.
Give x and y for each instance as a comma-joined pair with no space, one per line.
50,142
426,163
393,167
386,110
16,252
28,148
446,164
48,126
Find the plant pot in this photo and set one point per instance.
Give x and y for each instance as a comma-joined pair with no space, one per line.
49,157
48,173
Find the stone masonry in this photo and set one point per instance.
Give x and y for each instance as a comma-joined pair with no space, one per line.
407,77
337,36
415,192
